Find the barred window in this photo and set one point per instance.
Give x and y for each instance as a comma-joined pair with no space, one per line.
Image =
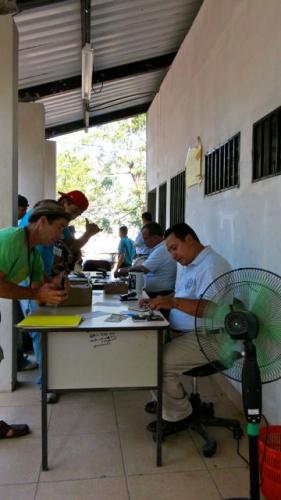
177,205
222,166
162,203
267,146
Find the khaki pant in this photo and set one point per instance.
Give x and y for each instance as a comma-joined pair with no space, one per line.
180,354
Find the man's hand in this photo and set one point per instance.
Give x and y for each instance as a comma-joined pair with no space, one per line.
92,228
50,294
61,282
160,302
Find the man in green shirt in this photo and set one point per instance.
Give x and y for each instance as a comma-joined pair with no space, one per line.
19,260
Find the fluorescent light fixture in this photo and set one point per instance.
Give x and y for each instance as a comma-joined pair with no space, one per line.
87,70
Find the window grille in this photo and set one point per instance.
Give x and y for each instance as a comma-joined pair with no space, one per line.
162,205
267,146
222,166
151,203
177,205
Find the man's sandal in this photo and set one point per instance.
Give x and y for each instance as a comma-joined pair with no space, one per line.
12,431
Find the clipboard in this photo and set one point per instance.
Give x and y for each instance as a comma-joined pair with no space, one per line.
42,321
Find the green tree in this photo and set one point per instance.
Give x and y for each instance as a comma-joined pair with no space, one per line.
108,164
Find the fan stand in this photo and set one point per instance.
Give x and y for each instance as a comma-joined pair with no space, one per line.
251,393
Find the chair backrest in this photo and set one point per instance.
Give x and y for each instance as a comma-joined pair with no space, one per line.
97,265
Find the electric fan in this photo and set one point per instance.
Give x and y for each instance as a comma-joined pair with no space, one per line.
238,323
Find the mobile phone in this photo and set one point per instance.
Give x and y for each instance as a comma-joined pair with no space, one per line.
62,283
139,317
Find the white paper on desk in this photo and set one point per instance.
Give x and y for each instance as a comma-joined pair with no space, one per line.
94,314
108,304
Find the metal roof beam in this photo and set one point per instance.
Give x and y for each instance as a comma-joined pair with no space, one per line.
104,75
85,8
32,4
67,128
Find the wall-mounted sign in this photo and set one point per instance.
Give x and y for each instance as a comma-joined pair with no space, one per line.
193,165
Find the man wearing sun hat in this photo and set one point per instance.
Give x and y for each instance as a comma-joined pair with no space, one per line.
74,203
20,260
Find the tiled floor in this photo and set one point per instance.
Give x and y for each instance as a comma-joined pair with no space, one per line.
99,449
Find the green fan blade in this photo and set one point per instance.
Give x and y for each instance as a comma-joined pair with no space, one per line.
224,347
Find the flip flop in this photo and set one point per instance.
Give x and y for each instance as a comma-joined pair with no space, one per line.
17,430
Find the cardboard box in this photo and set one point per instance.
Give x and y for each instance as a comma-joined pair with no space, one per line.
79,295
115,287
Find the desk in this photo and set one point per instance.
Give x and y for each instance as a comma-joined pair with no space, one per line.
99,355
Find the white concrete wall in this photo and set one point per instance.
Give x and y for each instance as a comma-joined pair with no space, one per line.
31,133
50,169
8,177
225,77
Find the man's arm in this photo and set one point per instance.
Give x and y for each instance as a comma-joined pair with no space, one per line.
189,306
46,293
121,258
76,244
140,269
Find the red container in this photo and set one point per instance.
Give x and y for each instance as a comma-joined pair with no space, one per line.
270,461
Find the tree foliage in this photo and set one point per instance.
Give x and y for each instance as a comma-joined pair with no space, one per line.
108,165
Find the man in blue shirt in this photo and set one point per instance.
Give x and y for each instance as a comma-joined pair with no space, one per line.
141,248
199,266
126,251
160,268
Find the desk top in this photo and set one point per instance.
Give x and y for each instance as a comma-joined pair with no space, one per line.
94,316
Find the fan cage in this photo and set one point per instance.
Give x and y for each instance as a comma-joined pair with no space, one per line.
253,289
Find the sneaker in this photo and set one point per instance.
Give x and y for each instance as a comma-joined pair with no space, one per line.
52,398
151,407
171,427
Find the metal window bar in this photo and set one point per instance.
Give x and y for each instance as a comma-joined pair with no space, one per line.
236,159
273,143
231,163
222,166
162,205
206,186
266,146
151,203
278,140
177,203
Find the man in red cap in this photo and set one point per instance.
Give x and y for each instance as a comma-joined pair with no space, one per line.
75,203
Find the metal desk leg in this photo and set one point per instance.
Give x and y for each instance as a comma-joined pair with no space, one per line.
159,396
44,423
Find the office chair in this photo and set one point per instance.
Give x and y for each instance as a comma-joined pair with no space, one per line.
97,265
204,412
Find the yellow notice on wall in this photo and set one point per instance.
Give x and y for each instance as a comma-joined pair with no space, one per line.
50,321
193,166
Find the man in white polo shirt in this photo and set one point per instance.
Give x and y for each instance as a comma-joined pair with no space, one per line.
199,266
160,267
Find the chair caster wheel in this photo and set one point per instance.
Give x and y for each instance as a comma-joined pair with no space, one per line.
209,449
154,437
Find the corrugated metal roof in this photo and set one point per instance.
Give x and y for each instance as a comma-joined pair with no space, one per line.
111,95
122,32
